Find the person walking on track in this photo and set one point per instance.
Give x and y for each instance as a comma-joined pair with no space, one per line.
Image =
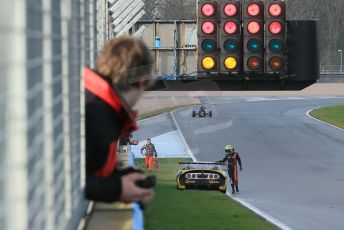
232,159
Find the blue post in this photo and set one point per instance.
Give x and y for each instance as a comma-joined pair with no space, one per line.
157,42
137,217
138,214
132,159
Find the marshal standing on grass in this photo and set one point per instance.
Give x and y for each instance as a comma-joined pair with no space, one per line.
232,159
150,155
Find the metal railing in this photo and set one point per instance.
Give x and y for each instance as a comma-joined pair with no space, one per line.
331,62
332,69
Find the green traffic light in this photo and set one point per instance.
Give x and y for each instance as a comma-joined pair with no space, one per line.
254,45
230,45
209,45
275,45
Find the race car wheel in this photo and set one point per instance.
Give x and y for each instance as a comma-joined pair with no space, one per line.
193,113
210,113
179,188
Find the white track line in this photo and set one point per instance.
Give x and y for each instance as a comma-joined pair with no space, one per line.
182,136
177,126
148,118
324,122
260,213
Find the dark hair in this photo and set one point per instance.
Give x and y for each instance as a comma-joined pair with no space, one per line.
148,139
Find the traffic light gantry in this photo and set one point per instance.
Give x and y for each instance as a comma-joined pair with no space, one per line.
230,36
236,38
207,36
275,37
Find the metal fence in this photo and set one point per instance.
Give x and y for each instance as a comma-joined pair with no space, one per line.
331,62
176,54
44,45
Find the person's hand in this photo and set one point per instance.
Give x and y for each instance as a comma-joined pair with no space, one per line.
131,192
147,199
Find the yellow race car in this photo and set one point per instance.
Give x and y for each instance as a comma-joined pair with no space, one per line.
201,175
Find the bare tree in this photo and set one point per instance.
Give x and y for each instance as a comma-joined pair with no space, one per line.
150,9
333,11
179,9
303,9
170,9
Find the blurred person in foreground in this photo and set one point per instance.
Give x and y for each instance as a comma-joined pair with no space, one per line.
123,71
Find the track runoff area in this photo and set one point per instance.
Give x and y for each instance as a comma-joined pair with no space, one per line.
233,45
173,209
206,203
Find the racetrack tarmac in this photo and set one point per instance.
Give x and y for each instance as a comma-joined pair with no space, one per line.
293,166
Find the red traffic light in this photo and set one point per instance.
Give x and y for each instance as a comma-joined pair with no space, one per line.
253,27
208,27
275,63
230,27
275,27
230,10
253,9
208,10
275,10
254,63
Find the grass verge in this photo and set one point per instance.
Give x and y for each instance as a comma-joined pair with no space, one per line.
194,209
161,111
333,115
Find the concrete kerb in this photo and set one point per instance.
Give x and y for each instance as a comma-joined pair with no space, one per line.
324,122
189,152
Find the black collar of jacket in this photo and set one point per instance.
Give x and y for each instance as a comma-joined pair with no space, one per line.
125,110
